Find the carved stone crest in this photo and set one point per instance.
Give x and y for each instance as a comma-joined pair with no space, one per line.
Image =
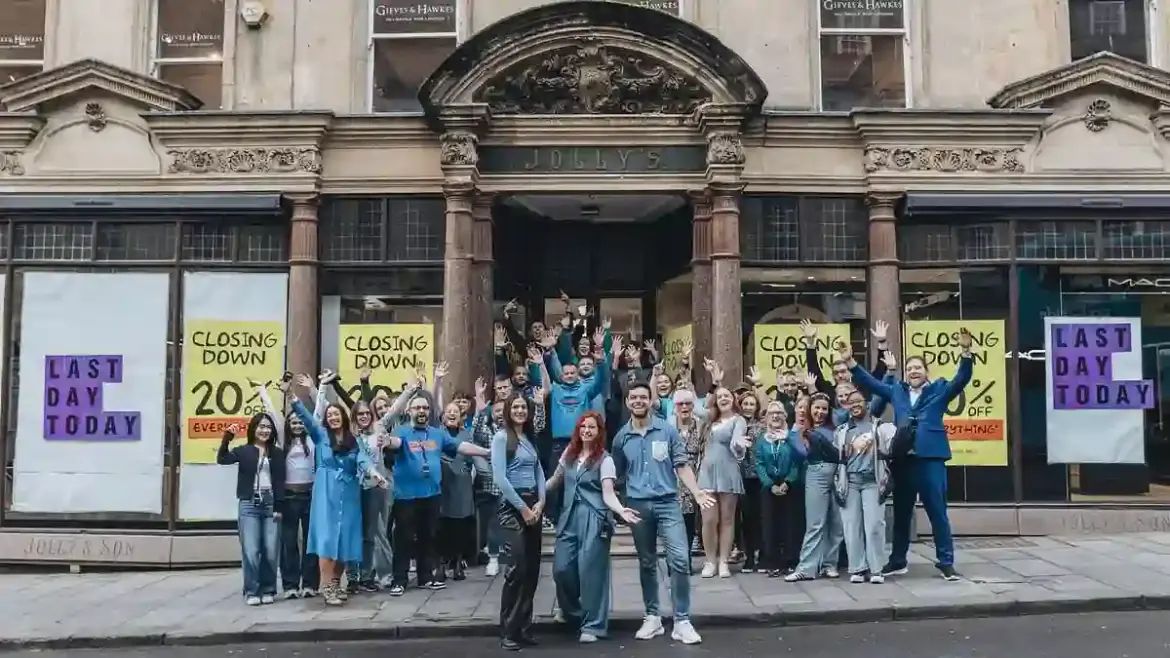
458,149
725,149
245,161
10,163
943,159
1098,115
593,78
95,117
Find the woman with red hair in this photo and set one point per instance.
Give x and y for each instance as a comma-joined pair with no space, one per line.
586,473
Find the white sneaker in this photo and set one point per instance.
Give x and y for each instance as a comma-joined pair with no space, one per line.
724,570
857,578
267,599
493,567
558,615
877,579
252,600
708,570
651,628
685,632
830,572
291,594
308,593
587,638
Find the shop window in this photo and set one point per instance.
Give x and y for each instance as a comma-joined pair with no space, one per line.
207,243
135,242
1096,292
352,230
1056,240
770,229
975,297
188,47
409,39
263,243
804,229
1118,26
22,39
381,229
55,242
926,244
1136,240
416,229
863,60
984,242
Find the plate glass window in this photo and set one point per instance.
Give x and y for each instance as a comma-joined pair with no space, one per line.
22,39
863,53
188,49
1118,26
409,39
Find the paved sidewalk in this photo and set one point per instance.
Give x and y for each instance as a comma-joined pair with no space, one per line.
1004,576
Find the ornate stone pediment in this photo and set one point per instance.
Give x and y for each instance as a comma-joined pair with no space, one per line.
1103,69
83,76
589,57
593,78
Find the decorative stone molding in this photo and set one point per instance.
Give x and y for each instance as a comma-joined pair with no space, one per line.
1098,115
725,148
1104,68
10,163
27,94
245,161
458,148
95,117
991,159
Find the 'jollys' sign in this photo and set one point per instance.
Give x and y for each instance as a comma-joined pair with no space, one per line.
1082,368
73,400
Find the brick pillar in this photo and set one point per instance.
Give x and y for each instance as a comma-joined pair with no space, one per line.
883,291
459,287
484,292
701,286
726,302
304,302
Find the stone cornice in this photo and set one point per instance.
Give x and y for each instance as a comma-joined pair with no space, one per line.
966,127
132,184
1104,68
801,128
18,129
599,130
216,129
378,130
28,94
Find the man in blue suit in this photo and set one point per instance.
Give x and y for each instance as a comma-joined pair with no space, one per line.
923,472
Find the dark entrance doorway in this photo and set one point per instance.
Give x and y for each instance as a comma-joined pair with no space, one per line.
608,253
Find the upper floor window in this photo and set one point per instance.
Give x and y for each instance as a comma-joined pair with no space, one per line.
22,39
409,39
188,47
1118,26
863,54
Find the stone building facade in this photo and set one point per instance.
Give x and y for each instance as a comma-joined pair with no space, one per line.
718,164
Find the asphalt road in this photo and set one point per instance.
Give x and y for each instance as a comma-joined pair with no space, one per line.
1108,635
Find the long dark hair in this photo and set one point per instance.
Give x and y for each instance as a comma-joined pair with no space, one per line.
344,440
527,431
360,406
292,437
254,422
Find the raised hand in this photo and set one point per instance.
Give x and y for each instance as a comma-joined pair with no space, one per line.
844,351
500,336
305,381
607,323
879,331
534,354
808,329
617,344
890,361
548,341
651,345
510,307
480,387
810,381
327,377
964,338
753,376
599,337
364,373
420,375
233,429
441,369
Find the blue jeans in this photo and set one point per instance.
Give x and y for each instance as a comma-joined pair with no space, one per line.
487,523
662,517
552,508
260,545
822,514
297,568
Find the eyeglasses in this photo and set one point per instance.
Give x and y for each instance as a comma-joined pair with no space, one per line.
684,404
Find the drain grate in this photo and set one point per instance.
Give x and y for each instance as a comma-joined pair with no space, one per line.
973,543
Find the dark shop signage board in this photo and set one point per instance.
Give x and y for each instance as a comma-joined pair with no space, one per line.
592,160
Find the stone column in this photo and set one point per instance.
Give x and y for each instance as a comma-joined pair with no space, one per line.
304,302
701,286
483,288
883,295
722,125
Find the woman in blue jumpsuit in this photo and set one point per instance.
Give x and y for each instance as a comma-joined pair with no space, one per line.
586,473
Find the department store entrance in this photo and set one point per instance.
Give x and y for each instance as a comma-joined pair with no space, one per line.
609,253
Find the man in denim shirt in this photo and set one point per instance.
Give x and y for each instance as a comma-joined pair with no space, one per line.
650,458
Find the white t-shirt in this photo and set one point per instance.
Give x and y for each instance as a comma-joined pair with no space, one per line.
264,475
608,470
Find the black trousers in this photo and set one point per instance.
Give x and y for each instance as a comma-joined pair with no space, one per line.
416,523
522,545
783,528
457,539
748,516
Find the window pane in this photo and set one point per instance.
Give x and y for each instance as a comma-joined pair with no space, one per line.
862,71
401,66
669,6
14,73
1056,240
834,229
207,243
22,30
53,241
417,229
263,243
1136,240
190,28
204,81
352,229
862,14
1118,26
414,16
925,244
136,242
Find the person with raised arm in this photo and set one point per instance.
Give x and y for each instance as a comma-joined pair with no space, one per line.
920,405
841,372
649,456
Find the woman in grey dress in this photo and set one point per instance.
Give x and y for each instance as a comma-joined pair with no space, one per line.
725,446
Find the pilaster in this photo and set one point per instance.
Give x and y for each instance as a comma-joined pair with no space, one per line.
883,286
303,298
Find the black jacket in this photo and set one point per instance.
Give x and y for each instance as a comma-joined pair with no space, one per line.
248,458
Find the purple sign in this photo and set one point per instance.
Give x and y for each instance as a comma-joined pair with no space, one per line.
73,400
1082,368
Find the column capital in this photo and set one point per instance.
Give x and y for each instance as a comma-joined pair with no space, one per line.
879,200
304,201
701,202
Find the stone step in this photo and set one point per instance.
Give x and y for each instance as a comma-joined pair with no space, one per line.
622,544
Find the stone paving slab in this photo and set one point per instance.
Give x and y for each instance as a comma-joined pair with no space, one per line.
1032,575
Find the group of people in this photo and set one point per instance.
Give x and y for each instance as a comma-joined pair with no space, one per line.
583,433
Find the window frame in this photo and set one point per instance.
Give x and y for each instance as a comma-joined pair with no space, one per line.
907,51
459,35
1152,19
22,63
157,62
